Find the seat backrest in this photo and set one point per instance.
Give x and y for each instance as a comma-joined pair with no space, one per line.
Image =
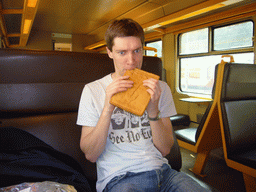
38,82
238,106
40,93
201,124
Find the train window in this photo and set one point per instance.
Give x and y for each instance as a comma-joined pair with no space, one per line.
197,61
154,44
197,73
194,42
233,36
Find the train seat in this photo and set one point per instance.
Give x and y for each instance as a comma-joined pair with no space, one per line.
40,93
206,136
238,120
190,134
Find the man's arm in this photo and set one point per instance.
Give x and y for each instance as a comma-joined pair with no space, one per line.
162,133
93,139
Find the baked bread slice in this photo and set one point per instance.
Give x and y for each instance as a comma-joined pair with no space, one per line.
134,100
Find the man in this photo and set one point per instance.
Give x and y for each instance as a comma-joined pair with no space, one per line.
129,150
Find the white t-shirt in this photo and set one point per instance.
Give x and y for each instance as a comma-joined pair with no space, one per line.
129,144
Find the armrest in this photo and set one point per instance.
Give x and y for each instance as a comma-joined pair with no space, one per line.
180,119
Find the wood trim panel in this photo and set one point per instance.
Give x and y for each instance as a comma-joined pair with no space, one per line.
183,12
226,16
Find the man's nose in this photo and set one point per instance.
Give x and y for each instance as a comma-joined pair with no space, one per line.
131,58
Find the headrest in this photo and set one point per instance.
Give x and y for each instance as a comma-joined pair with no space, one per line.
18,100
239,82
30,66
26,66
39,82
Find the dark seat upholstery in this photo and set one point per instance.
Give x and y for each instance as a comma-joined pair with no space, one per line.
40,93
240,131
180,119
191,134
238,113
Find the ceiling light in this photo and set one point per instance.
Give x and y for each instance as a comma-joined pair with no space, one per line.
26,27
193,14
32,3
98,45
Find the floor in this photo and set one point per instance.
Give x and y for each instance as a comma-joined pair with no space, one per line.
220,178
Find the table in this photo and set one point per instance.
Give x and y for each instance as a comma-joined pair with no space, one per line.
196,100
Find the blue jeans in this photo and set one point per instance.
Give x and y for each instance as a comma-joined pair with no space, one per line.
164,179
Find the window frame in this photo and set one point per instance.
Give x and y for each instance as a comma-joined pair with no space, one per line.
210,51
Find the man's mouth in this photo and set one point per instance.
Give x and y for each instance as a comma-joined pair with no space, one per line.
131,68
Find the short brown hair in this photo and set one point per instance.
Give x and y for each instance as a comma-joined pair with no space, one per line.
123,28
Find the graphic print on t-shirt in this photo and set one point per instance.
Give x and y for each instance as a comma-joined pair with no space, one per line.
118,119
127,127
121,119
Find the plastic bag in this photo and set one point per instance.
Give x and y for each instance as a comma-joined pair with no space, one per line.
49,186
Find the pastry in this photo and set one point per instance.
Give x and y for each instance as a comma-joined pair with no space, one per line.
134,100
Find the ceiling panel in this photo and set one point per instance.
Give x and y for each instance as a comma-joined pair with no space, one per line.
77,16
101,13
53,23
13,23
173,6
90,17
162,2
12,4
60,8
146,9
14,40
154,13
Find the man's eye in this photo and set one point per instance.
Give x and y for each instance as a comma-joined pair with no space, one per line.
121,52
137,51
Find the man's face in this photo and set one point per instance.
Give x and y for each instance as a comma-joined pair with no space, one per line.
127,54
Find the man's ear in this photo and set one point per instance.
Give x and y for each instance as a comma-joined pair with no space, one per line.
110,54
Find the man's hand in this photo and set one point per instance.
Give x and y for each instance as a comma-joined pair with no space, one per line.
162,129
119,84
155,91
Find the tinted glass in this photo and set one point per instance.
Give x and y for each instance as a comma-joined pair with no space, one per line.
194,42
233,36
197,73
